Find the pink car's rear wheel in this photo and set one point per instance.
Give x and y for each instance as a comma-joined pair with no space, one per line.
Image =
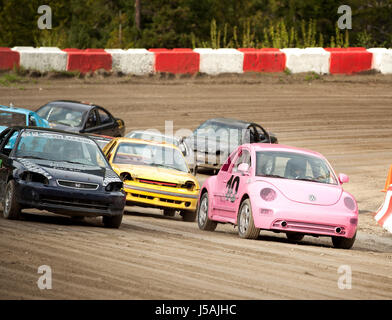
294,236
203,220
246,226
343,243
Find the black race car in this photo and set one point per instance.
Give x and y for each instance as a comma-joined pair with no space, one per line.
57,171
213,141
81,117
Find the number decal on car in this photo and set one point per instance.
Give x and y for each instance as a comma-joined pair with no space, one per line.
232,188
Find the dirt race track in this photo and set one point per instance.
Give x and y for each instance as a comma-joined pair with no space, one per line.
348,119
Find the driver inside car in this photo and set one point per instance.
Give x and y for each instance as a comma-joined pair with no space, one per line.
295,169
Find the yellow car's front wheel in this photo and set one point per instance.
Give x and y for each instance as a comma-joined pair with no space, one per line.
189,216
169,212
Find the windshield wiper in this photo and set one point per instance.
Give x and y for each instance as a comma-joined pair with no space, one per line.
311,180
164,166
33,157
273,176
73,162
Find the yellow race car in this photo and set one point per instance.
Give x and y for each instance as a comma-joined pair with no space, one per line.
155,175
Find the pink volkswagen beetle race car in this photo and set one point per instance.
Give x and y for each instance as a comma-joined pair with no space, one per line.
282,189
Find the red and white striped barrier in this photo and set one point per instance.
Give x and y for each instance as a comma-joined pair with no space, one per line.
209,61
384,213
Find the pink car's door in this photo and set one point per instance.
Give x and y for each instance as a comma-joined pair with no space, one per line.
222,179
231,184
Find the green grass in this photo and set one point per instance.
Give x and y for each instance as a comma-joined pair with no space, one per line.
9,78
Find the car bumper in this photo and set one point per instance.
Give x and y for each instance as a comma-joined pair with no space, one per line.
160,198
307,219
67,201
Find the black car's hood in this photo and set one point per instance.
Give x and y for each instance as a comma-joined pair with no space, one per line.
70,171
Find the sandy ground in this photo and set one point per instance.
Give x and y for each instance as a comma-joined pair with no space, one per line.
348,119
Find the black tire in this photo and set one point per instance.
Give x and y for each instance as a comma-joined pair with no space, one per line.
169,212
112,221
77,218
294,236
188,216
343,243
11,208
245,223
203,221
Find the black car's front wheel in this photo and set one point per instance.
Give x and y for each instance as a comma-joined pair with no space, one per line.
11,208
112,221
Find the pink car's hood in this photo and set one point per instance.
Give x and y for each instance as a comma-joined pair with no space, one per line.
307,192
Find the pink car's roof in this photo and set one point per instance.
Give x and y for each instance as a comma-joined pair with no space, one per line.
281,147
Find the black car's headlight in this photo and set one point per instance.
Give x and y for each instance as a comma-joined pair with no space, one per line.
114,187
125,176
34,177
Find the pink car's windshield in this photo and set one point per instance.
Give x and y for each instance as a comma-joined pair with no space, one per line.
295,166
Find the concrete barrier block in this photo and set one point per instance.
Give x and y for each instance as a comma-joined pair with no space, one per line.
382,60
349,60
8,59
132,61
216,61
307,60
263,60
88,60
42,59
177,61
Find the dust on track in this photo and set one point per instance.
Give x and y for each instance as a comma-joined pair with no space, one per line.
348,119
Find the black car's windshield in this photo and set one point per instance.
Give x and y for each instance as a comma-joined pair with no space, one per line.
61,115
10,119
295,166
59,147
220,131
150,155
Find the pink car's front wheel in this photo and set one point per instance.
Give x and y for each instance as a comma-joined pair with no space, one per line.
246,225
203,220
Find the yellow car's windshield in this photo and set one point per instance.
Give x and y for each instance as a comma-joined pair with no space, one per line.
150,155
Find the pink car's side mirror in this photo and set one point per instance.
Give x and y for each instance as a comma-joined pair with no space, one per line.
343,178
243,168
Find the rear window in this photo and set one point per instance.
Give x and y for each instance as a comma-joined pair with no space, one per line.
9,119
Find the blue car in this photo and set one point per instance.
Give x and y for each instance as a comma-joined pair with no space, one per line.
11,116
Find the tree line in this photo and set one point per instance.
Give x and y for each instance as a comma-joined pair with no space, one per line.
195,23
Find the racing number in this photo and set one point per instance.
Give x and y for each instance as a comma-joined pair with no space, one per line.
234,182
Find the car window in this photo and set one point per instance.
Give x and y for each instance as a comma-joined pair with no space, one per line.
32,121
61,115
296,166
92,119
104,117
226,165
244,157
9,119
10,143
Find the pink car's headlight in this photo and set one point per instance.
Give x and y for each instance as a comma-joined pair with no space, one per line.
349,203
268,194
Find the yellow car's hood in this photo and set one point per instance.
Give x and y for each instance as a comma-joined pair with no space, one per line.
155,173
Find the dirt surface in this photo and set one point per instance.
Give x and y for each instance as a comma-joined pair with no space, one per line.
348,119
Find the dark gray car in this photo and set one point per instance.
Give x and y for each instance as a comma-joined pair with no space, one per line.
213,141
